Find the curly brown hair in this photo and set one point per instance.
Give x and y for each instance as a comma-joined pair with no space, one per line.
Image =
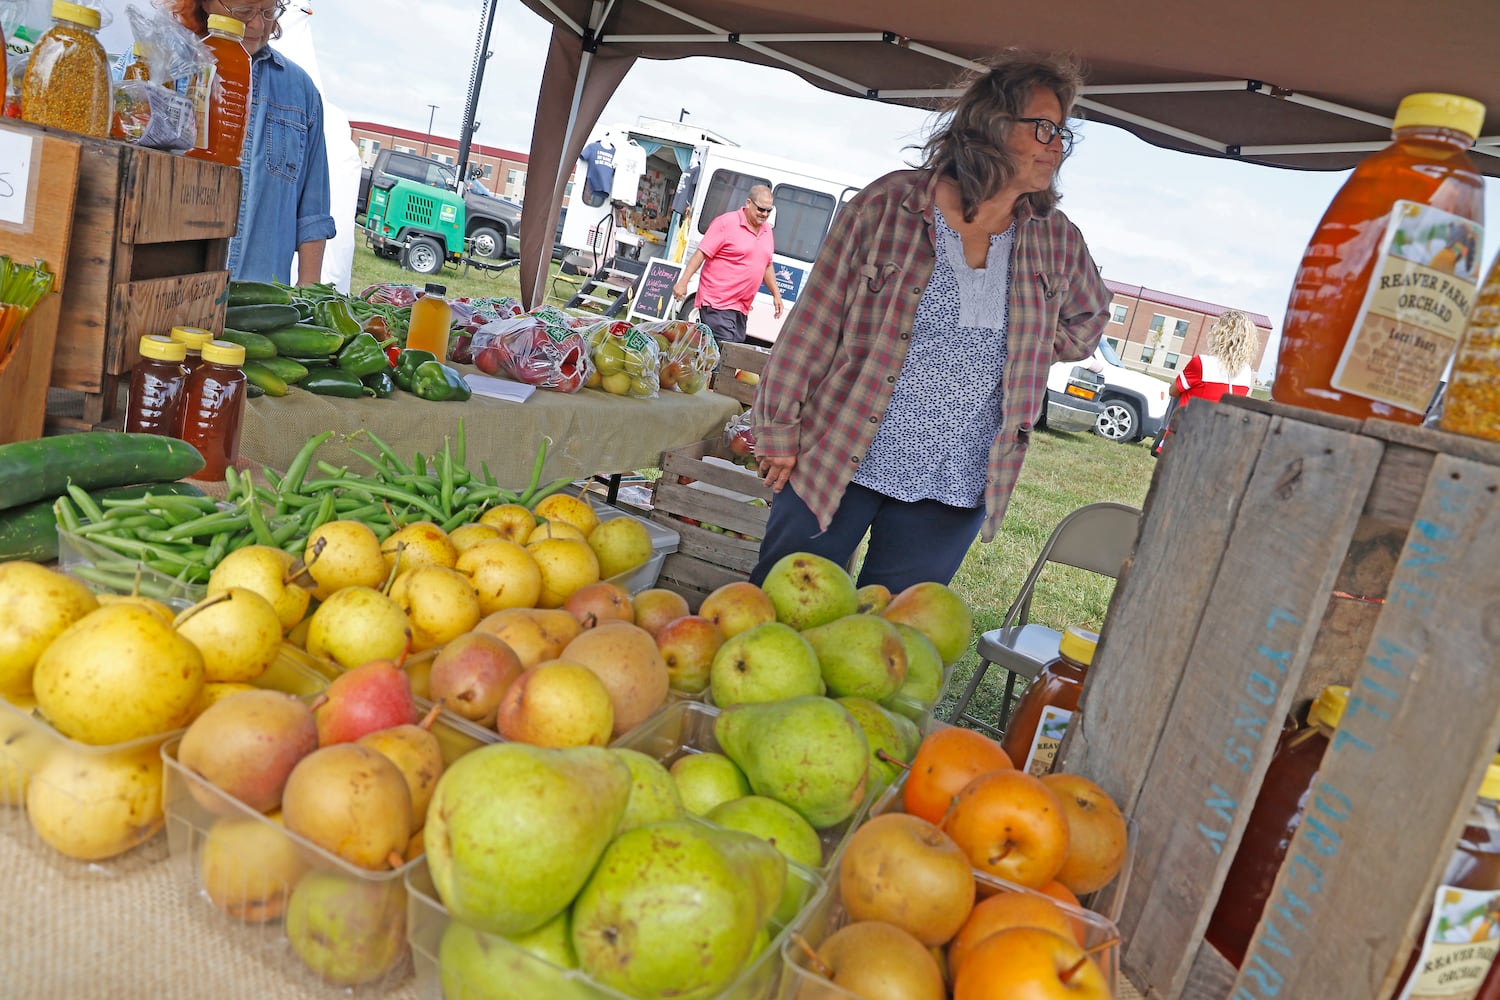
191,15
970,146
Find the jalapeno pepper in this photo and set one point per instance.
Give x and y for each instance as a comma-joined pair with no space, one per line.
336,315
335,382
383,382
363,355
406,366
435,381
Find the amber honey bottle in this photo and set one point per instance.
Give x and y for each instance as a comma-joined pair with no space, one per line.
215,407
1273,819
229,103
194,339
1380,299
1040,720
157,383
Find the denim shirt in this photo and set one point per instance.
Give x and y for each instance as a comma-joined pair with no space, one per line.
284,168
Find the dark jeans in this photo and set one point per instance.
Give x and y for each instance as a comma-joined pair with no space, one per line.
909,542
727,324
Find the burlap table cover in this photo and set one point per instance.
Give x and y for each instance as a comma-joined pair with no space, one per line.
591,431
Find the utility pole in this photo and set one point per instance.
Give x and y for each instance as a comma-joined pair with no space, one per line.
428,141
482,55
683,114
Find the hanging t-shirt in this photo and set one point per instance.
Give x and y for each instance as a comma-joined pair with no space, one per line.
686,185
599,176
630,164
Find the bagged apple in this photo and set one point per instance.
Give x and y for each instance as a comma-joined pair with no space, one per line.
391,294
627,361
690,355
536,349
739,438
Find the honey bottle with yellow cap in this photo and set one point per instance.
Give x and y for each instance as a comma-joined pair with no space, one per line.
1041,719
193,338
157,384
1273,819
1380,300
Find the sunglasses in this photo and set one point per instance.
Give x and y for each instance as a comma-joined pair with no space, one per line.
762,209
247,14
1046,128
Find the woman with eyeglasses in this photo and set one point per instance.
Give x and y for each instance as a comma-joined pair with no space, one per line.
900,396
284,197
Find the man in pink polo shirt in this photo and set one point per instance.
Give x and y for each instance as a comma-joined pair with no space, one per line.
736,257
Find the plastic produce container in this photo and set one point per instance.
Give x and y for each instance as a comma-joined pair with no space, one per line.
247,892
123,839
687,727
664,541
428,920
92,564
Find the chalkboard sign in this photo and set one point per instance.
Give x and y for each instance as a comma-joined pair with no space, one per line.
653,295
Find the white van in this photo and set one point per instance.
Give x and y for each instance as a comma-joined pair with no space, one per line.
636,220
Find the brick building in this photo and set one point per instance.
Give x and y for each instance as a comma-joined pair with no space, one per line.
1157,332
503,170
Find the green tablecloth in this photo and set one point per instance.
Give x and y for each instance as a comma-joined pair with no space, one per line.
591,431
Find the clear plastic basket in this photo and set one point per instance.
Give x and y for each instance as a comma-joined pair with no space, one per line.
106,571
664,542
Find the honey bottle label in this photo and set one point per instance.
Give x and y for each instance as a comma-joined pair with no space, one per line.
1413,315
1050,729
1458,945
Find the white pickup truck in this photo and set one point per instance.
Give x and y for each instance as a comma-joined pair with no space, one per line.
1130,405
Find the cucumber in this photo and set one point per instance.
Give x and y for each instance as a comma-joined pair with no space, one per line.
30,531
32,470
305,341
260,375
261,319
257,347
286,369
258,293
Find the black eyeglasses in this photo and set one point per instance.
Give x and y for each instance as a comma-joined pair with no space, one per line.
762,209
247,14
1046,128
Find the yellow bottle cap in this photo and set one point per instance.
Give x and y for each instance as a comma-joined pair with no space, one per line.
1078,644
75,12
161,348
228,25
1489,788
1328,707
1462,114
222,352
192,336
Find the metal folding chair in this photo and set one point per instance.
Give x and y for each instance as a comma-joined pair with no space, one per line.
1097,537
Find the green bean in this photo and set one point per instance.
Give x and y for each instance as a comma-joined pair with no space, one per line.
367,512
389,453
144,550
292,482
126,583
86,504
66,514
419,465
421,484
335,471
374,463
231,482
271,478
324,513
461,451
283,533
386,490
213,524
123,526
217,550
258,523
461,518
548,490
445,481
489,479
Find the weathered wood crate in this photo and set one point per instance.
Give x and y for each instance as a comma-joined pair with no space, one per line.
149,246
743,357
1282,550
706,559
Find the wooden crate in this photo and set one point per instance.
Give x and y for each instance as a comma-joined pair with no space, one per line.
150,242
705,559
1282,550
743,357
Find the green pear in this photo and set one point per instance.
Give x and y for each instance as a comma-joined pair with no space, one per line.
808,753
769,662
674,909
704,780
784,829
938,613
859,655
514,830
809,590
897,735
924,674
653,793
347,930
532,966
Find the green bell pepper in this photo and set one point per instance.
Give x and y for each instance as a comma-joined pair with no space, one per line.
435,381
383,382
363,355
335,314
335,382
406,366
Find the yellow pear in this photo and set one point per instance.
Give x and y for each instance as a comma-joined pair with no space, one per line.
117,674
622,544
554,529
513,521
217,691
418,544
268,571
248,867
466,536
36,605
417,754
238,632
161,610
533,634
566,564
565,507
344,554
93,806
557,704
357,625
441,604
503,574
23,747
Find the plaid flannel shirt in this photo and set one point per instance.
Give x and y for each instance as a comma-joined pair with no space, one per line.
830,376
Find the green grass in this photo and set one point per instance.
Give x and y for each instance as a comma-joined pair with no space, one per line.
1062,473
369,269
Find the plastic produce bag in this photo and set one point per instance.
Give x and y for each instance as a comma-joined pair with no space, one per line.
391,294
739,438
690,355
627,362
162,111
535,349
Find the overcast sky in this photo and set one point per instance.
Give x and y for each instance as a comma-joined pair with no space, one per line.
1225,232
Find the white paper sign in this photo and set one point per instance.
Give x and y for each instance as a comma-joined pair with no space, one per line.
16,151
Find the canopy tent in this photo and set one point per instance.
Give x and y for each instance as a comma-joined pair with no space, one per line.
1281,82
